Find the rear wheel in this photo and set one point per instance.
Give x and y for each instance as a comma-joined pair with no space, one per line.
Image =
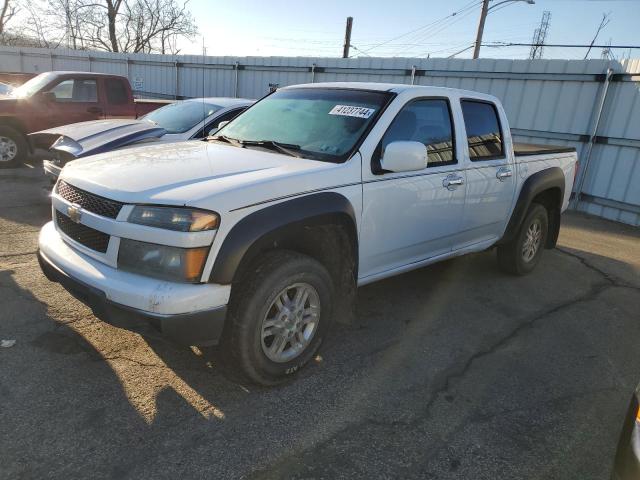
521,255
279,316
13,147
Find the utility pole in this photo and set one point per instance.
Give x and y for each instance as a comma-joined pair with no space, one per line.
483,17
347,38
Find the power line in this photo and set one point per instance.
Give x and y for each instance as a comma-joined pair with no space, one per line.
469,5
562,45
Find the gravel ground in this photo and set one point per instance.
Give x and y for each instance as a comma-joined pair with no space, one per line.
451,371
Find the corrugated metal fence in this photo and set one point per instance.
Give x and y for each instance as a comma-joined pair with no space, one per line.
547,101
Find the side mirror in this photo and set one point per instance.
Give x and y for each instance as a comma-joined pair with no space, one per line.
222,124
48,96
404,156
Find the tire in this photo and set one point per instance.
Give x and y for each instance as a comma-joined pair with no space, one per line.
521,255
255,309
13,147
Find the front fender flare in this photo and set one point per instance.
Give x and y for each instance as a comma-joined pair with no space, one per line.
322,208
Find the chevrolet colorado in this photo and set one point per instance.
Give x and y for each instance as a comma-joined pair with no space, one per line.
258,237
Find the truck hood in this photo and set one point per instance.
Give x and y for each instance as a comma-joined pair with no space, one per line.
194,172
96,136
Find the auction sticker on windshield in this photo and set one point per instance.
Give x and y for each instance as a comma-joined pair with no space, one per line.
351,111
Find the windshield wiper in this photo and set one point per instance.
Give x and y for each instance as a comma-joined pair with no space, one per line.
233,141
286,148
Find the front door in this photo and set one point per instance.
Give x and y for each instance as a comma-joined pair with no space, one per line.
74,100
412,216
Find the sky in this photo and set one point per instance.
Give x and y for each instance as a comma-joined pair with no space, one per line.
316,28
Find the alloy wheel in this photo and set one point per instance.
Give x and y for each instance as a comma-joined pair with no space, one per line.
290,322
8,149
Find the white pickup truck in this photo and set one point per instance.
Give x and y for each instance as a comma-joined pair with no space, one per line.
259,236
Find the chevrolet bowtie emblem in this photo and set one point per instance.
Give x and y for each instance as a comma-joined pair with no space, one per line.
74,212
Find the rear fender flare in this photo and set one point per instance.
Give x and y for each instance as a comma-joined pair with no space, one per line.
548,179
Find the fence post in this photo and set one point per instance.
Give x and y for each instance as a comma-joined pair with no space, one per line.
89,58
235,93
413,74
592,139
177,81
20,59
313,72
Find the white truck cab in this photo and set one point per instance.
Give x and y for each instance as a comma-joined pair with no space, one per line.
259,237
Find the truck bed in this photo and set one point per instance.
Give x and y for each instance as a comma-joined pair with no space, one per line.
526,149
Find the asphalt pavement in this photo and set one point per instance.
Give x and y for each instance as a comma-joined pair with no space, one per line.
452,371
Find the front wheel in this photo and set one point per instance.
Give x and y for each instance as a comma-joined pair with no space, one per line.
521,255
13,147
279,316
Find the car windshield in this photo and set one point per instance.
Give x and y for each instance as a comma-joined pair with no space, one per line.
319,123
33,86
180,117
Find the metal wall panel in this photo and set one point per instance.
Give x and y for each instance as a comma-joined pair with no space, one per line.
547,101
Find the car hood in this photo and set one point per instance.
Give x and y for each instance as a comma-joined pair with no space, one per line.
194,172
97,136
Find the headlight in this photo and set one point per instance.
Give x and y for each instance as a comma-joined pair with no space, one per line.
161,261
174,218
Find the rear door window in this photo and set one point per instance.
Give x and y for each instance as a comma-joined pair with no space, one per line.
116,92
484,133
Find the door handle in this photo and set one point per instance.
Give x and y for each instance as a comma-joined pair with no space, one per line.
503,173
451,182
96,110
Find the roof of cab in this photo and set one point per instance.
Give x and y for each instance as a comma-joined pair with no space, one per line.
91,74
390,87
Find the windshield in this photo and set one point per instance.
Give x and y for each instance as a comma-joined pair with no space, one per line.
181,116
325,124
33,86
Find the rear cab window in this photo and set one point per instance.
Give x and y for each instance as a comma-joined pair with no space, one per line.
484,132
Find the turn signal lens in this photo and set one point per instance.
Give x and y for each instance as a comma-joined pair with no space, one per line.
194,259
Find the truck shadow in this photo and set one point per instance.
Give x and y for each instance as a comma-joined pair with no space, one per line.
103,383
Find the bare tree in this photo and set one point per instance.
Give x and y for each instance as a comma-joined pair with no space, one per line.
109,25
7,11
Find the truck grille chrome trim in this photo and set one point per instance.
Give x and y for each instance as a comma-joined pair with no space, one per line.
82,234
89,201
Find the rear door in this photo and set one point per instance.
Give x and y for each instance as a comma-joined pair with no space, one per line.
117,100
409,217
73,100
490,173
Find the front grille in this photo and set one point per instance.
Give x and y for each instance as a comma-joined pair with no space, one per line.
87,236
93,203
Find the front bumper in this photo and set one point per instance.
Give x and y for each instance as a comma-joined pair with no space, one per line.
190,314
